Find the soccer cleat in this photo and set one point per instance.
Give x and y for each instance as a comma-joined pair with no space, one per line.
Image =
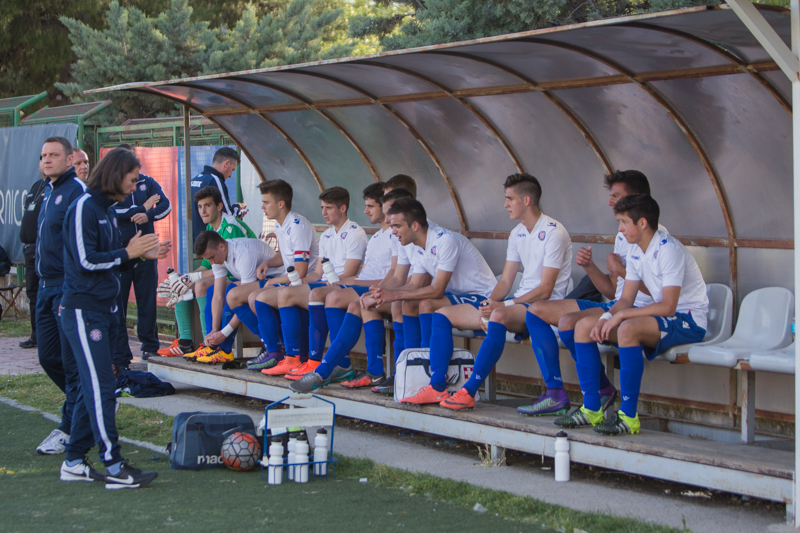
265,360
129,477
80,472
458,401
364,379
308,383
201,351
175,349
619,424
608,396
54,444
288,364
340,374
552,402
386,388
216,356
302,370
580,417
427,395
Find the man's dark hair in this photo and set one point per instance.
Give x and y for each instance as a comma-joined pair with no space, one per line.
337,196
206,239
107,176
634,181
128,147
396,194
374,192
411,210
401,181
63,141
525,185
638,206
278,189
209,191
225,153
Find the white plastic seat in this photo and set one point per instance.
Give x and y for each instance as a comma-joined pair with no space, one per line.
780,361
720,321
764,323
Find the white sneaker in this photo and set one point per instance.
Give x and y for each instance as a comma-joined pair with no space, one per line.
54,444
80,472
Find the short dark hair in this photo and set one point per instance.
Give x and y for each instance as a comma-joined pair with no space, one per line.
411,210
278,189
401,181
205,239
209,191
635,182
226,153
337,196
525,185
638,206
107,176
75,150
128,147
374,191
396,194
63,141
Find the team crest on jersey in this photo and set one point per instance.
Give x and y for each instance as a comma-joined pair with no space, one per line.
343,234
542,235
142,187
288,231
433,250
95,335
58,199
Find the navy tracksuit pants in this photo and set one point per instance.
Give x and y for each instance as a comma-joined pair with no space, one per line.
144,278
54,348
92,336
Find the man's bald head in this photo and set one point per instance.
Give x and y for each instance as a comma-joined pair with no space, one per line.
81,163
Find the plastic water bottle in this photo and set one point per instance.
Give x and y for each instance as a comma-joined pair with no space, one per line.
562,457
275,470
292,458
321,452
301,456
485,320
174,277
328,271
294,277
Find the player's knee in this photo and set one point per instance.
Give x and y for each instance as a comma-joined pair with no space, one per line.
627,334
567,322
354,308
583,329
316,295
426,306
410,308
397,312
499,315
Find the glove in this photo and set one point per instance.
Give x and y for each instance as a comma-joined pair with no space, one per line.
173,300
164,289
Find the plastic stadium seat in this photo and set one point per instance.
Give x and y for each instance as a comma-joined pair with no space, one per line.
720,321
781,361
765,318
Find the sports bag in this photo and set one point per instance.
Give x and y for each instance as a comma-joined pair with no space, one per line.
414,371
197,438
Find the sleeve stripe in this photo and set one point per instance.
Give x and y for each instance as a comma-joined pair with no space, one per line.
165,213
222,191
79,240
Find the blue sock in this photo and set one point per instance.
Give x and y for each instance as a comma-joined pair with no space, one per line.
489,353
304,320
114,469
441,350
207,310
269,327
631,363
588,367
411,332
568,338
317,330
74,462
425,325
374,333
545,348
292,330
399,340
341,345
227,316
335,317
227,344
248,317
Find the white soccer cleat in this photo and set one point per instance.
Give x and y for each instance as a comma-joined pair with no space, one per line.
54,444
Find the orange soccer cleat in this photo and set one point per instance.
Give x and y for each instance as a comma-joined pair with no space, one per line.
284,367
427,395
305,368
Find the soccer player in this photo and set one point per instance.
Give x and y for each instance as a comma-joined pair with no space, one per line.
566,313
543,247
247,260
678,315
222,166
343,244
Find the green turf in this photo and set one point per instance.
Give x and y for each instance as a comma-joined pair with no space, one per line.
15,327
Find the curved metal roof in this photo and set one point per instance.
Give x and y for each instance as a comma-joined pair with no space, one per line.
689,97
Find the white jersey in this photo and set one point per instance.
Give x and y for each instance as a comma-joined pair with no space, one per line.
350,242
406,254
548,245
623,249
667,263
378,259
297,241
452,252
244,256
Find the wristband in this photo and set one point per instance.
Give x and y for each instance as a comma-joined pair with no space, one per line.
606,316
227,330
510,302
195,276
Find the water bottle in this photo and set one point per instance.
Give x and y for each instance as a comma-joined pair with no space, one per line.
292,458
275,470
562,457
328,271
301,456
174,277
485,320
294,277
321,452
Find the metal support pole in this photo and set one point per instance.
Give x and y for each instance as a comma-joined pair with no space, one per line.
791,509
80,134
748,397
187,191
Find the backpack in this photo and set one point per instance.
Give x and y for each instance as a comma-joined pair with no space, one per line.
414,371
197,438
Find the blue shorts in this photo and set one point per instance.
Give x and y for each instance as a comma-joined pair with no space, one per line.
676,330
317,285
472,299
360,289
583,305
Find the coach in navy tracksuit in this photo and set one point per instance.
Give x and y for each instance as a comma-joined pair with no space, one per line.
54,351
93,258
222,166
137,212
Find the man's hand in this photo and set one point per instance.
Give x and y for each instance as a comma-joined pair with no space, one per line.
160,251
150,202
487,306
584,256
261,271
214,338
368,302
602,330
139,244
140,218
240,210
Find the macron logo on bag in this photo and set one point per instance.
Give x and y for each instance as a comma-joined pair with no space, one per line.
209,459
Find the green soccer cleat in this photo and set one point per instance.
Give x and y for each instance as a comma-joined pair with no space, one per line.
619,424
580,417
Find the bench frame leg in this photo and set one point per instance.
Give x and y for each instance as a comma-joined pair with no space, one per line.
748,397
